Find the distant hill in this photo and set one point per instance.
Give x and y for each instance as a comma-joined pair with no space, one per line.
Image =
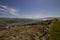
50,18
16,20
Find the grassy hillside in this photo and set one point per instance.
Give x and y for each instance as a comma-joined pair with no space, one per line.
32,32
28,32
22,33
55,30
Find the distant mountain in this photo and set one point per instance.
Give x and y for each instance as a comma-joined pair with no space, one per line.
50,18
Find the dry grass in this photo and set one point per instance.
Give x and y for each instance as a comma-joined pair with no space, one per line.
22,33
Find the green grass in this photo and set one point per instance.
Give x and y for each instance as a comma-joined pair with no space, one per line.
55,30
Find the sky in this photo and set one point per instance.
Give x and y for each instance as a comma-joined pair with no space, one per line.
29,8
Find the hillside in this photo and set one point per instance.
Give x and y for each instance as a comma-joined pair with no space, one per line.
22,33
55,30
41,30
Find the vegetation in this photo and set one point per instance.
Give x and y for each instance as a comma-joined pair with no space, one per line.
30,32
13,20
22,33
55,30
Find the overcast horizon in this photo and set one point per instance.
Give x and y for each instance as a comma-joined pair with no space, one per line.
34,9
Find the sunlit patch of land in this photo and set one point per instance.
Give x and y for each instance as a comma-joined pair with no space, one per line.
22,33
39,31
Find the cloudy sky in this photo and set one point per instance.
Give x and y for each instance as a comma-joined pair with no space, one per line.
29,8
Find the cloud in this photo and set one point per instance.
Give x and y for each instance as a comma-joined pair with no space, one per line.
1,9
7,10
5,7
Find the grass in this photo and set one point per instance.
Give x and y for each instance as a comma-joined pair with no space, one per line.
29,32
22,33
55,30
